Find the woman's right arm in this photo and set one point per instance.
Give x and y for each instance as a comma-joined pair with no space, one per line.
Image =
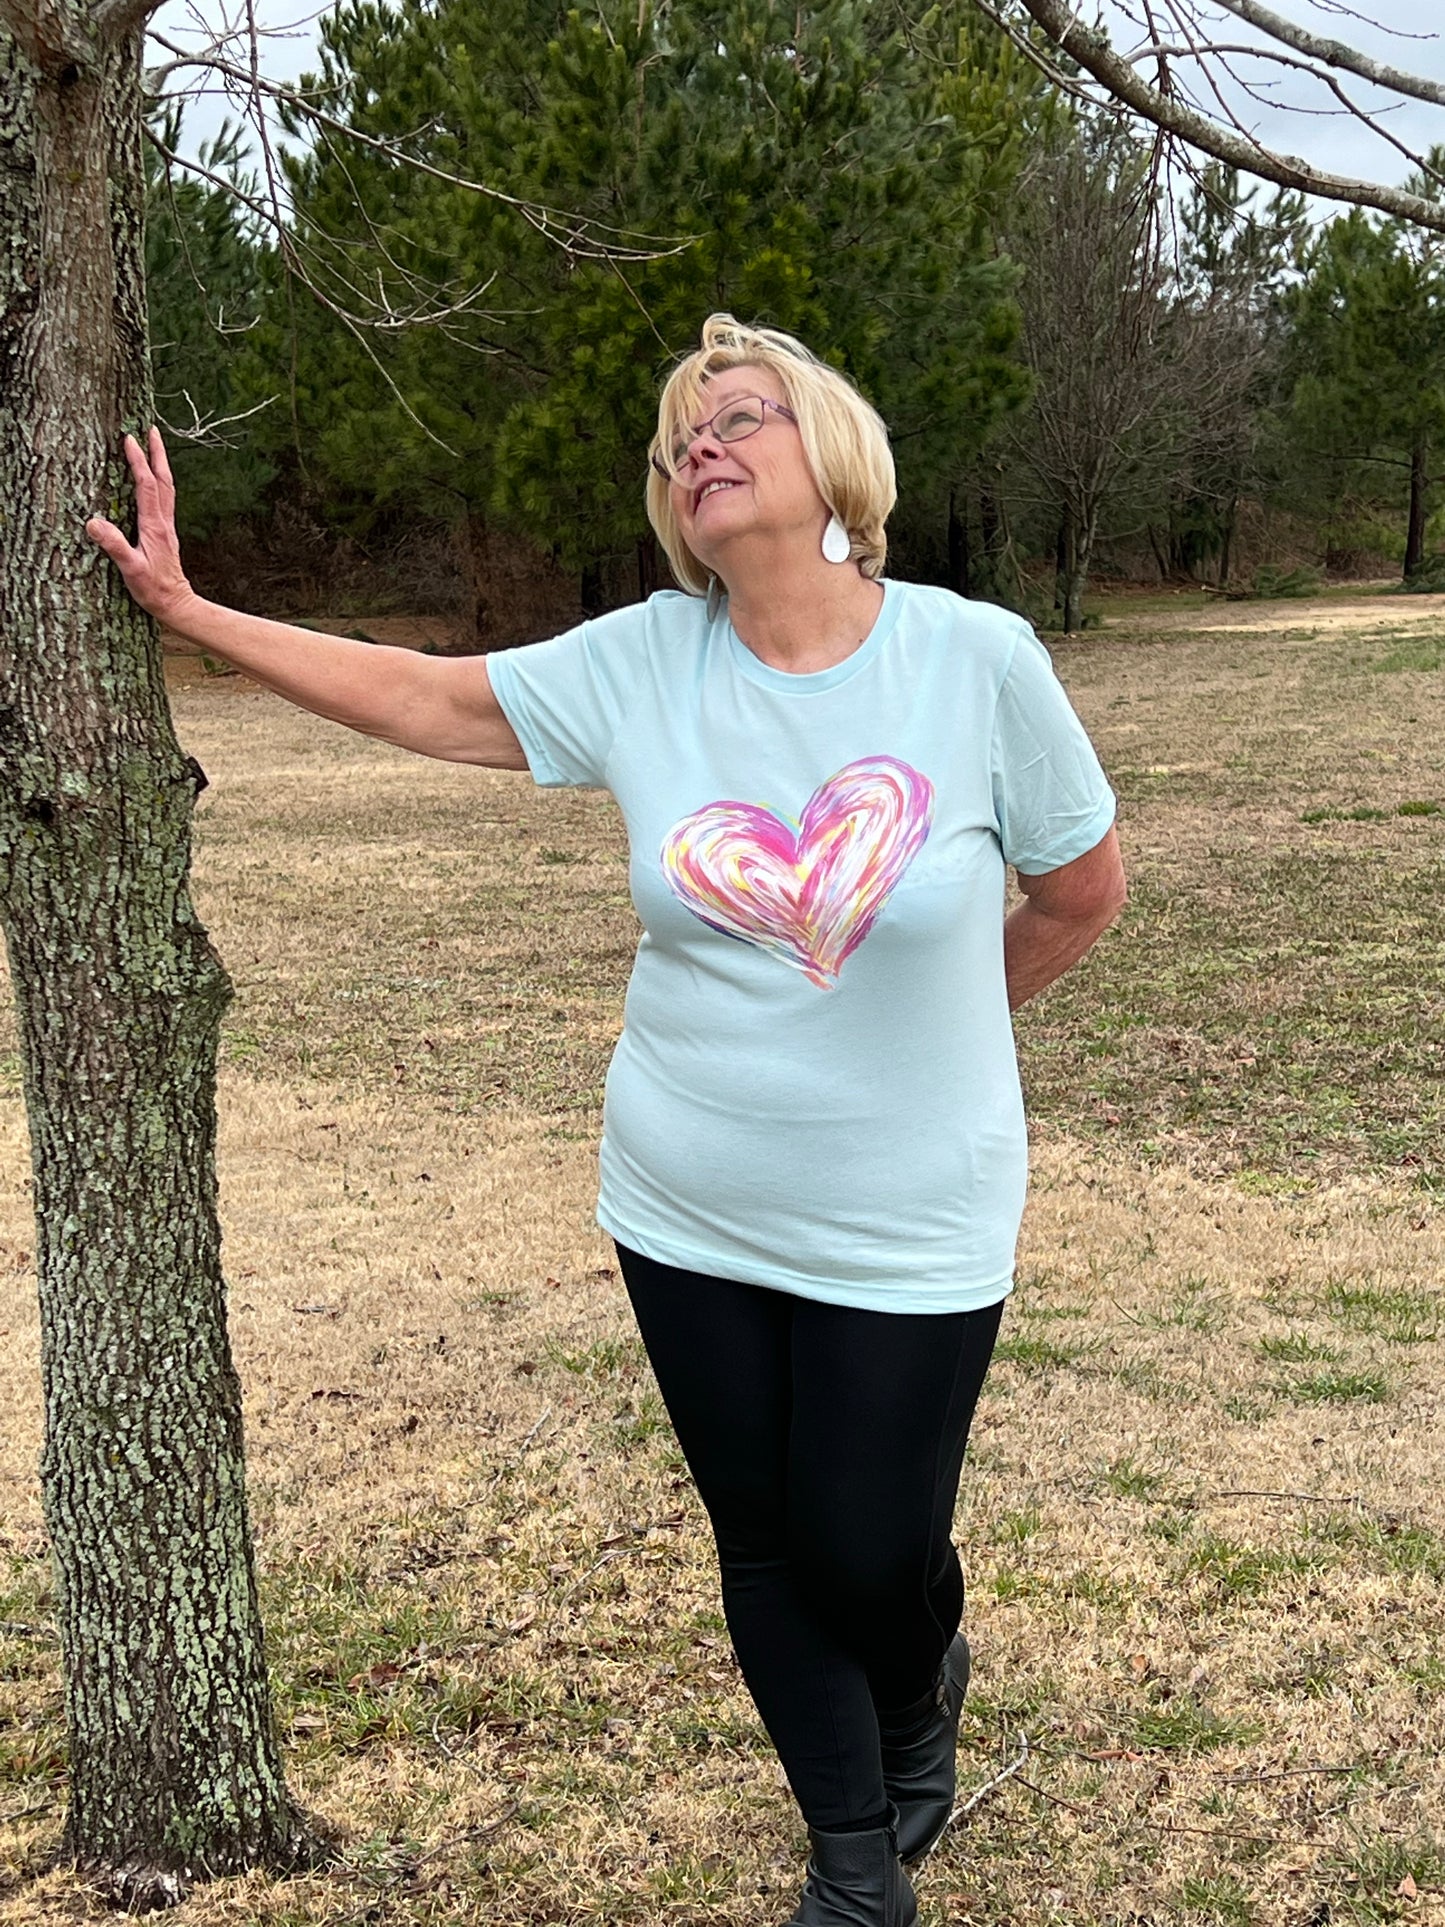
436,706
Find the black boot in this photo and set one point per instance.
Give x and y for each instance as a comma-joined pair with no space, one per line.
919,1773
856,1880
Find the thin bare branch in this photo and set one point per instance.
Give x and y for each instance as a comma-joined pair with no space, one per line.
203,430
578,234
1091,48
1334,53
1201,51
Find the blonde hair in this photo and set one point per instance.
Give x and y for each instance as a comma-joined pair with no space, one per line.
844,439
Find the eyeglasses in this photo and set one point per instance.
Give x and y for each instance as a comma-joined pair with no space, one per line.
733,422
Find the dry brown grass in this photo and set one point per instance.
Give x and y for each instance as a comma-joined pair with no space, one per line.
1202,1518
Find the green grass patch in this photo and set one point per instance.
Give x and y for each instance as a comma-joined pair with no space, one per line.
1218,1900
1296,1348
1338,1388
1127,1478
1424,653
1036,1354
1240,1571
1390,1545
1187,1725
605,1359
1368,1875
1399,1316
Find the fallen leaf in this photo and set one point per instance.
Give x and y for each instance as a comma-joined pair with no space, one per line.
381,1674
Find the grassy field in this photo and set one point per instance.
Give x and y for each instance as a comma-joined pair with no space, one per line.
1202,1517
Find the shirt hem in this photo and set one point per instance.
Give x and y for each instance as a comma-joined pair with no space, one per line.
1084,838
903,1298
543,772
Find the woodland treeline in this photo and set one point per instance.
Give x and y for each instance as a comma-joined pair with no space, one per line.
1084,369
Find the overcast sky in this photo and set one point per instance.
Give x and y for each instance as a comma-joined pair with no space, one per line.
1408,35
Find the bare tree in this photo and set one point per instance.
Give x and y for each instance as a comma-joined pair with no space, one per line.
1204,79
1129,381
175,1770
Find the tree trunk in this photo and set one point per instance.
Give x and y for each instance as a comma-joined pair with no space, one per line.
592,592
649,566
990,519
1063,558
1075,577
475,542
1419,487
959,570
1226,542
174,1766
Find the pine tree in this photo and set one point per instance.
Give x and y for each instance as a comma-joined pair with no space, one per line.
1367,358
809,168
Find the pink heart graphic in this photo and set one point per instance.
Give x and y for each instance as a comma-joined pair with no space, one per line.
806,892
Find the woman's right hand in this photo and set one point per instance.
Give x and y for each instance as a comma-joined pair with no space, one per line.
152,568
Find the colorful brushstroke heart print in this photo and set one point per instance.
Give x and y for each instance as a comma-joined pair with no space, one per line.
808,892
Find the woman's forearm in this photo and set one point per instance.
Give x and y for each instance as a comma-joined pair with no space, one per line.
1038,947
370,687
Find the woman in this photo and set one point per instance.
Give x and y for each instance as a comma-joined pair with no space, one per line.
813,1158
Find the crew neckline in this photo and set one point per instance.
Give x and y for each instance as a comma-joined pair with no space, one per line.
812,681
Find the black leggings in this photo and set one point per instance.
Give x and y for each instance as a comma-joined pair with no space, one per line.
826,1444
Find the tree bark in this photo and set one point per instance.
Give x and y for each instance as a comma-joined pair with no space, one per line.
592,592
1077,551
174,1766
1226,542
1063,558
959,568
1419,489
649,566
476,543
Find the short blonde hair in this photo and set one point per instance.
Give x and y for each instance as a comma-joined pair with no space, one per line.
844,438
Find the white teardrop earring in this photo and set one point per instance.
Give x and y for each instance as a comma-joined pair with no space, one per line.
714,597
836,545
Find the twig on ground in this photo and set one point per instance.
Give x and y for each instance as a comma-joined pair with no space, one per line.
1054,1799
1317,1498
1285,1773
468,1833
515,1457
1306,1498
989,1786
617,1552
1168,1826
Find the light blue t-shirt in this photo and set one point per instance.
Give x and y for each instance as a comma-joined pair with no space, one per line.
815,1088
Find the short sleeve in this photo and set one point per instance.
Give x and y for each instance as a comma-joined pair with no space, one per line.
1052,800
566,698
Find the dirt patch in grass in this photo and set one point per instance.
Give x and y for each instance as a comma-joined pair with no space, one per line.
1201,1520
1325,614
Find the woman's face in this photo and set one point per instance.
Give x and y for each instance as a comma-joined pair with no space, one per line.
727,491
